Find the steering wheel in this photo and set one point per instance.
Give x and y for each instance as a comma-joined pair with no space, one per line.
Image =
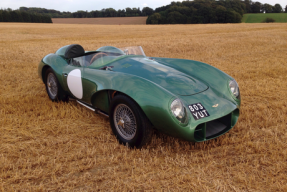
96,56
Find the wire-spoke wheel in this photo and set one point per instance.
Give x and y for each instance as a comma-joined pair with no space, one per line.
125,121
53,87
129,123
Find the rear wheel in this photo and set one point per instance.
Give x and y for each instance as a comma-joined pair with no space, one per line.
129,123
53,88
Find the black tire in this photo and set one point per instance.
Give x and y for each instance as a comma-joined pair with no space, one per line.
129,123
53,87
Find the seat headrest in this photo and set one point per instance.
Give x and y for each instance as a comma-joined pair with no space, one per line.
74,50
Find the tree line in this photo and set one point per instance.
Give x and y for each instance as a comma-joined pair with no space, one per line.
209,11
109,12
196,11
257,7
8,15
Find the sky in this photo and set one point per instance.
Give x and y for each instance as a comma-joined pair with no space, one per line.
89,5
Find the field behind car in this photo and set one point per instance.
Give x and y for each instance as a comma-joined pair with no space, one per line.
46,146
260,17
103,20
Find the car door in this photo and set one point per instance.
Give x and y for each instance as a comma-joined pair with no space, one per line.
95,77
73,77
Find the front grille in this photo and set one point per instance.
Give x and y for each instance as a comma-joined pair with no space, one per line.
215,127
218,126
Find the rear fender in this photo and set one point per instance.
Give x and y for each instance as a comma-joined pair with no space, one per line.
56,62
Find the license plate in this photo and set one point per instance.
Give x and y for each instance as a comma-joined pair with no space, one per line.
198,111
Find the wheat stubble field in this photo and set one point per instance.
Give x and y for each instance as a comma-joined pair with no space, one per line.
46,146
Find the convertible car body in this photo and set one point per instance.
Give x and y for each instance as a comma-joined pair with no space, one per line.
183,98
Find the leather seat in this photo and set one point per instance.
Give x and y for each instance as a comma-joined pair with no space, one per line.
74,50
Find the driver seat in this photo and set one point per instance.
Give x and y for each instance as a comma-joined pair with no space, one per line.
74,50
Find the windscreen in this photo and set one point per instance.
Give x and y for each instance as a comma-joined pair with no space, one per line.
135,50
108,54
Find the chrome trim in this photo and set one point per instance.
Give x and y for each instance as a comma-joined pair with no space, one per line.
98,111
86,106
102,113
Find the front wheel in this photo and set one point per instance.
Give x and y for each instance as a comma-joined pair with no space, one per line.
129,123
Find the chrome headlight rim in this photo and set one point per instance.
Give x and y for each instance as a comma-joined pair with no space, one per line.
183,121
234,89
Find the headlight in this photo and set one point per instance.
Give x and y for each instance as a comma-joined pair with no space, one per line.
234,88
178,110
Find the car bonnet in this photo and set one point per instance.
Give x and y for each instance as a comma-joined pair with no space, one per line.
171,79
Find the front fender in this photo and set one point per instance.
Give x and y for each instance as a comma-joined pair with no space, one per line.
153,99
216,79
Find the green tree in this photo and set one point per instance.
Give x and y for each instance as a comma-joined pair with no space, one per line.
176,18
6,16
220,13
256,7
154,18
25,16
233,17
237,18
206,14
248,6
286,9
238,6
95,13
33,18
121,13
184,10
277,8
79,14
267,8
129,12
89,15
147,11
16,16
47,19
203,11
136,12
1,18
113,12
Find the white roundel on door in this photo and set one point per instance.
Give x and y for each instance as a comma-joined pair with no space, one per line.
74,81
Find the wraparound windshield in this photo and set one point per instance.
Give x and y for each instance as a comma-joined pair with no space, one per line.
105,55
136,50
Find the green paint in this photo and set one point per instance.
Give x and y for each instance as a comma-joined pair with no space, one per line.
154,83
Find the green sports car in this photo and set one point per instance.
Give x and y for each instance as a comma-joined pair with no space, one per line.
183,98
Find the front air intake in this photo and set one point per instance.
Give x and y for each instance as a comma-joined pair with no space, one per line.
215,128
218,126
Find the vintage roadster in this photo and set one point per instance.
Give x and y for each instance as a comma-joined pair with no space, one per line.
183,98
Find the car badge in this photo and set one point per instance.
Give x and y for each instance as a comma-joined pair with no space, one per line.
216,105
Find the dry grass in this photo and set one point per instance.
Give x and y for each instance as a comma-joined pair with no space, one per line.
103,20
46,146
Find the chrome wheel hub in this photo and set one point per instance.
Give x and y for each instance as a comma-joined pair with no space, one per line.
121,123
125,121
52,85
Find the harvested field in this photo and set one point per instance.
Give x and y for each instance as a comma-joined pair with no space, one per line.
47,146
103,21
